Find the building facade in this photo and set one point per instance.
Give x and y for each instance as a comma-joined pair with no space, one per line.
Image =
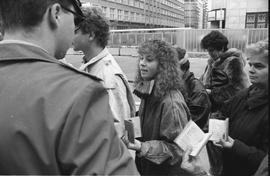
130,14
194,14
240,14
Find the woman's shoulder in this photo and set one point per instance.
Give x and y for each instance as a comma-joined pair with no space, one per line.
173,96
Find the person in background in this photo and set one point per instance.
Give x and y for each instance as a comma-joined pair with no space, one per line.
197,98
55,120
224,74
163,111
91,37
247,143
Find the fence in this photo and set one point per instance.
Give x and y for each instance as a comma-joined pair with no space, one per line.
185,37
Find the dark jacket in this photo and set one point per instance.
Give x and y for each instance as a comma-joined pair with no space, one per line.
248,125
225,77
54,118
197,100
162,120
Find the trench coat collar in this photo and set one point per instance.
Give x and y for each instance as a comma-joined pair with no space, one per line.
95,59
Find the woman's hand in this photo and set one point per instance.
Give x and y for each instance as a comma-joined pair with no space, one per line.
192,164
208,91
133,146
225,143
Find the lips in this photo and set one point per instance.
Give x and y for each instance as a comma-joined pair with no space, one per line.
143,71
252,77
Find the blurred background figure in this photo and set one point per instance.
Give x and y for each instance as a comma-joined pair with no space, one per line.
197,98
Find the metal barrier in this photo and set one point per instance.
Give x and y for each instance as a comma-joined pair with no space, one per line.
185,37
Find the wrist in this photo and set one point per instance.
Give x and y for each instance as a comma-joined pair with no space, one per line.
203,173
139,146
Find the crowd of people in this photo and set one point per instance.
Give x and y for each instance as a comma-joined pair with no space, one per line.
60,120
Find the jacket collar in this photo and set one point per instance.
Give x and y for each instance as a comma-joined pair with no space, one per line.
19,50
95,59
256,97
144,88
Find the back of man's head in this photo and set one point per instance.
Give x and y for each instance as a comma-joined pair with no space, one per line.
27,14
95,23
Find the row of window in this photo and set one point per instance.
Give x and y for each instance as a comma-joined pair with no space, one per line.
123,15
257,20
141,3
118,14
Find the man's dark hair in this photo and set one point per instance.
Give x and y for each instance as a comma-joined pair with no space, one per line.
29,13
95,22
181,54
215,40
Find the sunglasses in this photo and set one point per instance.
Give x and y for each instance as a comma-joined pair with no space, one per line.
78,18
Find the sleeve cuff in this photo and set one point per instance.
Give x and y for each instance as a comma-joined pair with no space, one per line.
239,148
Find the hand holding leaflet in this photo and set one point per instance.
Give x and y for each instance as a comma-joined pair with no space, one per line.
218,128
192,137
133,128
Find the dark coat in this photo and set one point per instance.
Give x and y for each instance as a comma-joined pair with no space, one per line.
225,77
197,100
162,120
54,118
248,125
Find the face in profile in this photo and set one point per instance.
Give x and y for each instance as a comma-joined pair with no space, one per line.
214,53
80,40
258,70
148,67
65,33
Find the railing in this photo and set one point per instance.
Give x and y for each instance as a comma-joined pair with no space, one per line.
185,37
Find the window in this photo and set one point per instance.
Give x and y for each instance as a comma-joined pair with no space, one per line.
257,20
112,14
126,15
120,15
132,16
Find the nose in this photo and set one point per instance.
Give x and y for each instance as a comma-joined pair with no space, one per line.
251,69
142,62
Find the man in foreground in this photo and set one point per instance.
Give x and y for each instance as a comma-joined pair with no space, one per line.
54,118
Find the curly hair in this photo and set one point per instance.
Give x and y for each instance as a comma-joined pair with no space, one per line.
95,22
258,49
169,75
215,40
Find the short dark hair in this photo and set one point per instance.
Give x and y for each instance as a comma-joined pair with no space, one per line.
28,13
215,40
95,21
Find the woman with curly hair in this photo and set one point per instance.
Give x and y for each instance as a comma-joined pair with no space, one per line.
163,111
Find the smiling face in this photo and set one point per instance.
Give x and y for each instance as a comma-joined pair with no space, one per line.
148,67
258,71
